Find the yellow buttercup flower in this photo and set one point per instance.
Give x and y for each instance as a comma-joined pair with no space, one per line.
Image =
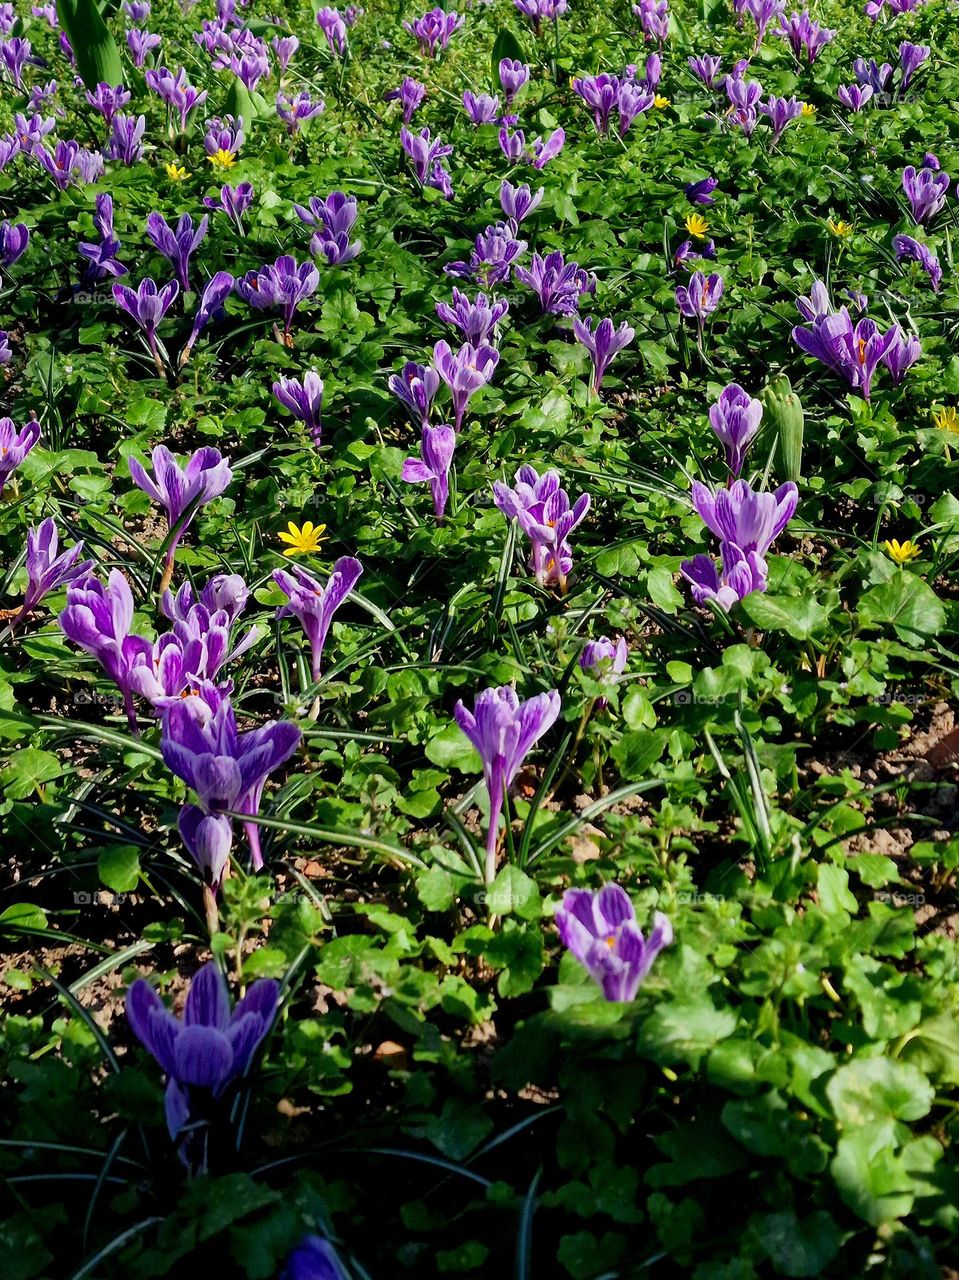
222,159
947,420
660,101
697,225
176,173
808,109
840,228
304,539
901,552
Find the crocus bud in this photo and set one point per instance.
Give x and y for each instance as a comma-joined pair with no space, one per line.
785,412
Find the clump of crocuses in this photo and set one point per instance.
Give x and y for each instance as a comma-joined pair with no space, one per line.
600,930
542,509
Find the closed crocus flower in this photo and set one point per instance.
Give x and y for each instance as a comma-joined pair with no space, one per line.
600,930
738,575
481,108
433,465
416,388
910,250
604,342
314,1259
542,509
15,443
147,305
46,570
925,190
735,417
855,96
315,604
304,399
901,354
605,660
519,202
14,238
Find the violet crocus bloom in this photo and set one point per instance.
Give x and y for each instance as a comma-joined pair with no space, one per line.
315,604
204,1054
233,201
558,284
69,163
333,219
409,95
304,399
314,1258
706,69
284,47
600,930
700,298
98,618
855,96
465,372
603,343
295,112
852,350
911,58
601,94
227,769
333,27
901,354
6,355
215,292
542,509
433,465
495,251
14,238
416,387
225,593
181,491
208,838
513,74
519,202
476,320
223,139
504,730
762,13
176,91
433,30
280,287
780,112
140,43
481,108
108,99
872,74
147,305
740,576
910,250
805,37
540,11
15,444
925,189
178,245
424,151
605,660
735,418
126,139
47,571
30,131
701,192
748,519
15,53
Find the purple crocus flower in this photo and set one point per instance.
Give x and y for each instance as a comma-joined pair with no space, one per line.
901,354
496,250
222,140
513,74
780,112
433,465
504,730
542,509
762,13
98,618
14,238
233,201
600,930
911,58
211,1048
519,202
433,30
295,112
544,152
735,417
250,67
280,287
855,96
181,491
47,571
632,101
30,131
69,163
284,48
601,94
137,10
314,1259
605,660
140,43
910,250
147,305
925,189
225,593
304,399
603,344
15,53
706,69
424,151
176,91
178,245
227,769
805,37
700,298
208,838
108,99
701,192
126,139
464,372
852,350
6,355
315,604
558,284
481,108
409,95
871,74
333,219
333,27
540,11
416,387
215,292
748,519
741,574
477,320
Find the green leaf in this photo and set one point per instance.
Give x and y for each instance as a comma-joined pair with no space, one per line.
27,771
798,1247
25,915
459,1128
513,892
834,892
119,867
908,603
878,1089
98,59
451,749
799,616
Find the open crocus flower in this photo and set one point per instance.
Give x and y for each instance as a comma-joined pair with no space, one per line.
749,519
925,190
503,730
542,509
603,343
477,320
600,930
853,350
700,298
181,491
735,417
433,465
416,388
203,1054
911,250
464,372
281,287
315,604
47,571
177,244
557,283
304,399
147,305
15,444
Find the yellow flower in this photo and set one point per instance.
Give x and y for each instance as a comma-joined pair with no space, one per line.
697,225
808,109
660,101
222,159
947,420
901,552
303,540
840,228
176,173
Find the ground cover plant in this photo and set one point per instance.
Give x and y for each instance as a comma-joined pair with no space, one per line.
478,670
